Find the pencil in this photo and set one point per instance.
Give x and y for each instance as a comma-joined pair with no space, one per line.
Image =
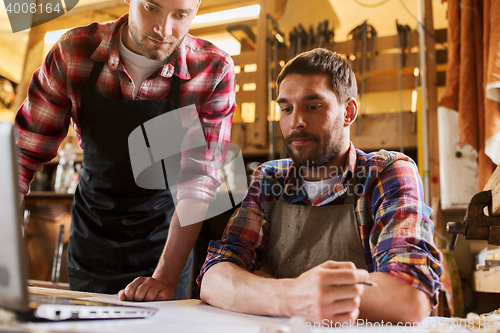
370,283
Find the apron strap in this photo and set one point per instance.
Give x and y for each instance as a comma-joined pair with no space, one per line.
92,80
175,89
351,187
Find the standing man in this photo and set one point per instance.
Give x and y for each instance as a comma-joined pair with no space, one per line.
108,79
312,229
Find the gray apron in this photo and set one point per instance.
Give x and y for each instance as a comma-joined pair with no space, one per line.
302,237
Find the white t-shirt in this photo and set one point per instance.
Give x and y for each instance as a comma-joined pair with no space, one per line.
138,66
313,189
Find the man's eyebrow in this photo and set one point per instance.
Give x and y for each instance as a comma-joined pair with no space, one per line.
186,11
305,98
179,10
312,97
154,3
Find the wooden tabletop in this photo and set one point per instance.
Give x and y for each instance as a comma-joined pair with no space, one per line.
56,289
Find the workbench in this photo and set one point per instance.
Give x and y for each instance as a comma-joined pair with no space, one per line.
196,316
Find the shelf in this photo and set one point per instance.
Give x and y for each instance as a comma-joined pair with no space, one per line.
49,195
78,159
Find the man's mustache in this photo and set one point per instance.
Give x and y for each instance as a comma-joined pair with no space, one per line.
160,39
301,135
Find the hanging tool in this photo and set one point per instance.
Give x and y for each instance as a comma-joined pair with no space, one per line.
364,34
301,36
321,32
400,86
310,37
402,44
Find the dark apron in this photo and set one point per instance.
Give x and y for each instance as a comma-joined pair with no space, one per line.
118,229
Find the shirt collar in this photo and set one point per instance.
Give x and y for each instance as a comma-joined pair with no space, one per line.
293,183
109,49
177,63
350,166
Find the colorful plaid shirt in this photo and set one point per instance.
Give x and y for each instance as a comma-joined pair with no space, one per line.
393,220
54,94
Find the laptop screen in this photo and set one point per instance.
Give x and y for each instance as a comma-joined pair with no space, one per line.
13,260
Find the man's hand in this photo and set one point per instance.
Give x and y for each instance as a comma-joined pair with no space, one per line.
147,289
329,291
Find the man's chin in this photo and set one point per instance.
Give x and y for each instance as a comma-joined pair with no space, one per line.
302,161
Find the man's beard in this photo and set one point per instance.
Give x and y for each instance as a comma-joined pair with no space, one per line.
322,156
153,53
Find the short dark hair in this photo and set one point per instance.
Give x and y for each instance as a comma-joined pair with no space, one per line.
323,61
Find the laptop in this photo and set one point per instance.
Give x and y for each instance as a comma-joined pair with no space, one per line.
14,294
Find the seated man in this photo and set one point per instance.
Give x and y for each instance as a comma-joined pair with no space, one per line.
312,229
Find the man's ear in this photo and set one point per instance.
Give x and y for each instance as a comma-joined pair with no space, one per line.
198,6
127,2
351,111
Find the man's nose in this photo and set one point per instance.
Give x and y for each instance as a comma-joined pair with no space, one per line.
298,119
164,28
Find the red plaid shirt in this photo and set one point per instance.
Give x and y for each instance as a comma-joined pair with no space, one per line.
54,94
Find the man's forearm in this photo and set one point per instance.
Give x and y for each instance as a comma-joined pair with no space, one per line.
228,286
393,301
180,240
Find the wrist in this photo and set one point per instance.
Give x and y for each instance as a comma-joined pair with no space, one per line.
279,298
167,279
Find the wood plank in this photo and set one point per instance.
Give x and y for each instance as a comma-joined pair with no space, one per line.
388,62
243,78
385,43
245,97
388,81
61,292
382,44
494,185
385,83
381,130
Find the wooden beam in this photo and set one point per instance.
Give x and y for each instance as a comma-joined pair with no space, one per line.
210,6
494,185
220,28
257,133
32,60
432,104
